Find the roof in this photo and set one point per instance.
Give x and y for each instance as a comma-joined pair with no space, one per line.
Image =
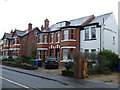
25,32
7,36
20,33
101,18
74,22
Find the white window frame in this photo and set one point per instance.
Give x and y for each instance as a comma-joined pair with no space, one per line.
45,38
51,37
87,34
93,32
40,38
65,34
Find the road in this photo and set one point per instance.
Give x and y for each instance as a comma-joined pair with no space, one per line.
12,79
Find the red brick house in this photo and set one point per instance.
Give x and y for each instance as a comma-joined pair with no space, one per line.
19,42
61,39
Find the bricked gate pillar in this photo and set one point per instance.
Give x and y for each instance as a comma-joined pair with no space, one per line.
78,66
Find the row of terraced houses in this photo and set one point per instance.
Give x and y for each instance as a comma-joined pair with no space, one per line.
86,34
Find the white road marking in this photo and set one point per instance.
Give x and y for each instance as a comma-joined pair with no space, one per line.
14,82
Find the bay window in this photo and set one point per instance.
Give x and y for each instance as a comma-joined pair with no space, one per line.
65,35
40,38
72,34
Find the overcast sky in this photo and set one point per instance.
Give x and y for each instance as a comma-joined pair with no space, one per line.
18,13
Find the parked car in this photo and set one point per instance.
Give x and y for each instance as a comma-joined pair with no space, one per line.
51,62
4,56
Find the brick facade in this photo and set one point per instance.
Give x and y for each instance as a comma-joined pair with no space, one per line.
62,46
20,43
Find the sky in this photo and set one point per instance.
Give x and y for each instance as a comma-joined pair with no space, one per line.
16,14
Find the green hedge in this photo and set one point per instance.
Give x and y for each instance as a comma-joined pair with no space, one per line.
107,62
67,73
21,65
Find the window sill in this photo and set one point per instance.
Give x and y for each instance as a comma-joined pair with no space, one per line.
42,43
51,43
57,42
68,40
89,39
16,44
5,46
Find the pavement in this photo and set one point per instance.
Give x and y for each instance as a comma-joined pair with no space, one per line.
78,83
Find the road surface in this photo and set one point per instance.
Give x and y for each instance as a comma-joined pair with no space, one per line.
12,79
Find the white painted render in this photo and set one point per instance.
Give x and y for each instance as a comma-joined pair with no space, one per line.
90,44
108,30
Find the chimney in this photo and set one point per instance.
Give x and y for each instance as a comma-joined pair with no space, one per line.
46,24
42,28
11,32
29,26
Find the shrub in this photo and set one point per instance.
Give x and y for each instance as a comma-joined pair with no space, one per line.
9,63
23,59
27,66
67,73
8,59
110,59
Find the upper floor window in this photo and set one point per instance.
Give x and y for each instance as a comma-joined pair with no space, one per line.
93,33
65,34
40,38
72,34
86,33
57,37
45,38
51,37
5,42
15,41
18,40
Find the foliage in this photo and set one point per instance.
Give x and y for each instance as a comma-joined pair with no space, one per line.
27,66
23,59
107,62
10,57
68,65
67,73
9,63
21,62
111,59
34,53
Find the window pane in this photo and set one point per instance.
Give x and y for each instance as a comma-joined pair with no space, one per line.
72,33
51,38
65,54
40,38
45,38
93,33
86,33
65,34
